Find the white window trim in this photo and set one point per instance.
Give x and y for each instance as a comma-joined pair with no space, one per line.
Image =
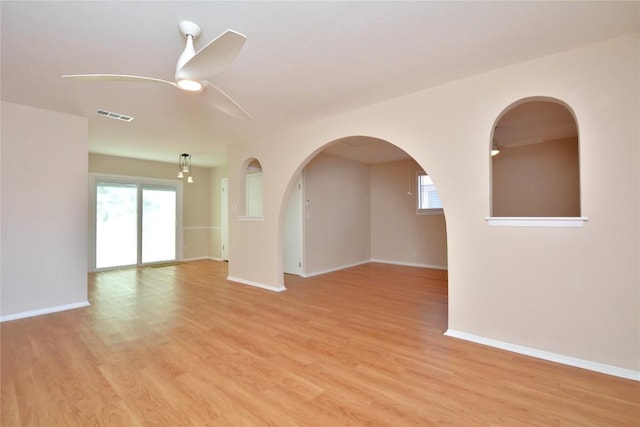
250,218
557,222
434,211
431,211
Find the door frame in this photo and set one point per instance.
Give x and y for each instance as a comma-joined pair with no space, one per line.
139,182
293,230
224,219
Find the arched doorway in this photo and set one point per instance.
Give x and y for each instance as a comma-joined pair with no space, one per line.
359,199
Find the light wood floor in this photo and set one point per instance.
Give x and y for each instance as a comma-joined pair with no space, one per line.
180,346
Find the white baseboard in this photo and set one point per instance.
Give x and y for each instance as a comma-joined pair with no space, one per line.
40,311
411,264
201,258
381,261
202,227
545,355
256,284
331,270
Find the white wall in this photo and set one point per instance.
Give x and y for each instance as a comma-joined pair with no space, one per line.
398,234
342,230
337,221
44,211
569,291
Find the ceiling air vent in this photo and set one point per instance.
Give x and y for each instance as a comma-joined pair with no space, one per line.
113,115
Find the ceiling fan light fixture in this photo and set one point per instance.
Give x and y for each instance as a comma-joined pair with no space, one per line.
190,85
193,70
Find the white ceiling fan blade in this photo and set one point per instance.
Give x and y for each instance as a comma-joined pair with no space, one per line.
117,78
221,101
212,59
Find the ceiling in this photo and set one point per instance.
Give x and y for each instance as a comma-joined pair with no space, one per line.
302,61
366,149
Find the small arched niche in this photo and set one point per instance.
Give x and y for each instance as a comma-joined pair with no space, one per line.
536,172
253,189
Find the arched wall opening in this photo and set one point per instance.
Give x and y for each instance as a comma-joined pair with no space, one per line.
499,279
359,204
535,165
251,205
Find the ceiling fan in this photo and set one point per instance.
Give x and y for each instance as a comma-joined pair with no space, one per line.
194,69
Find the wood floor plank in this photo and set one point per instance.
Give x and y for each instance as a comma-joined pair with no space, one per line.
10,408
182,346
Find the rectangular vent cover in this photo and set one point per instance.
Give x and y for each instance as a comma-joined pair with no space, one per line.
113,115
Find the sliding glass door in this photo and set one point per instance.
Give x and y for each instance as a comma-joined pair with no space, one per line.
135,223
158,223
116,224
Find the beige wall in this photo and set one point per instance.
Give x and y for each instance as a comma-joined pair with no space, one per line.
569,291
341,229
337,220
537,180
196,213
44,210
398,234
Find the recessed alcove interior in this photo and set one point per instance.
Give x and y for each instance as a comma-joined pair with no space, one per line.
536,173
253,189
359,204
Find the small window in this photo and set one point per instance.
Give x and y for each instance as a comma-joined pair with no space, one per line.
428,198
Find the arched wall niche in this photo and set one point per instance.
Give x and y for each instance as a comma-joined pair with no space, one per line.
536,171
252,203
382,160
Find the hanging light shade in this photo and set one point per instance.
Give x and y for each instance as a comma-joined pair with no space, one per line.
410,188
494,148
184,167
184,162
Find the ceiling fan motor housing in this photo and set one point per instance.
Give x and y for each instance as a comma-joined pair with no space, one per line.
188,28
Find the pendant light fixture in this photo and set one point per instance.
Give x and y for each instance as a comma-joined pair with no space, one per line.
494,148
184,167
410,189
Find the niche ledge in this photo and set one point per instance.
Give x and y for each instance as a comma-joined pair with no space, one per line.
557,222
250,218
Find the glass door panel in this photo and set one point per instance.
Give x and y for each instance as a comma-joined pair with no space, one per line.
158,223
116,224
